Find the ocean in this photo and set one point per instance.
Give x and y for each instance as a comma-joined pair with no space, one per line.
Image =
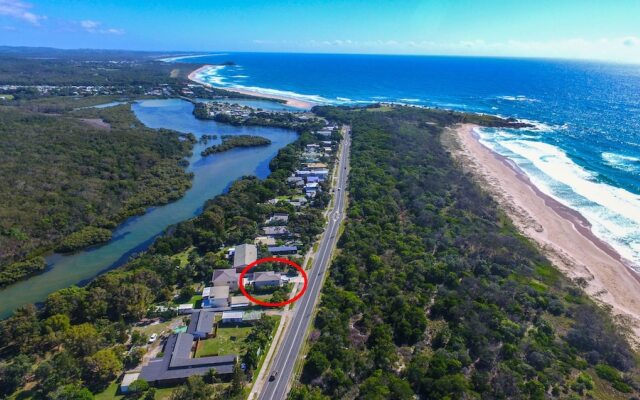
584,150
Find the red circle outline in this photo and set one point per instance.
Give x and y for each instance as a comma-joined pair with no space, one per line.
273,259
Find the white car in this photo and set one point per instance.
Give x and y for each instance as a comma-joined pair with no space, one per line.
153,337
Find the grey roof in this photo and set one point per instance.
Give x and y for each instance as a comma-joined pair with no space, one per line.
178,364
219,292
244,255
266,276
201,321
224,275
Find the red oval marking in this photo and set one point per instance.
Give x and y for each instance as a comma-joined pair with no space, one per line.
266,303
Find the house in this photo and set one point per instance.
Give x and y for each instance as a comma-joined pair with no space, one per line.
313,179
201,324
275,230
177,363
278,217
215,297
239,302
244,255
185,308
127,380
232,317
303,173
295,181
266,279
226,277
320,173
282,250
312,187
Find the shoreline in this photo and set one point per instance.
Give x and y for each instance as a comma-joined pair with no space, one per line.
290,101
563,234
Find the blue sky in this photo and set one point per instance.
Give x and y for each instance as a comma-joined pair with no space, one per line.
608,30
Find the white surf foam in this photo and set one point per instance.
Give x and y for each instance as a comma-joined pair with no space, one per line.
613,212
622,162
518,98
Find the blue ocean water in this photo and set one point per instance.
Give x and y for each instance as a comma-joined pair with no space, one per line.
585,150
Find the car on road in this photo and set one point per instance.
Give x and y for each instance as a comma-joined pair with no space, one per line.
273,376
153,337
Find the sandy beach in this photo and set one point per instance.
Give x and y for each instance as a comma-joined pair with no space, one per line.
562,233
290,101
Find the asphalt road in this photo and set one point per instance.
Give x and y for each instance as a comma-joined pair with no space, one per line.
289,348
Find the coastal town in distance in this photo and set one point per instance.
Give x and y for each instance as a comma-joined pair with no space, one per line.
319,200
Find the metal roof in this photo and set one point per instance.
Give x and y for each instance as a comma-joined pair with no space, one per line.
232,315
178,364
244,255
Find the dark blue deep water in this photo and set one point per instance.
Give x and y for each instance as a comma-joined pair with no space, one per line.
585,151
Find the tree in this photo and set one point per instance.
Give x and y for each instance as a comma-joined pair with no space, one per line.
237,381
194,389
12,376
138,386
21,329
62,369
66,301
134,357
82,340
211,376
149,394
56,323
316,363
71,392
102,367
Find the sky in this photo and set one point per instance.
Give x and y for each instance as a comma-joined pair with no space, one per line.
581,29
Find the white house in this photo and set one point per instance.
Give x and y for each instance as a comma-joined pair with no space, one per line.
215,297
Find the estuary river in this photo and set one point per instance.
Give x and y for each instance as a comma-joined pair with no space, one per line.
212,175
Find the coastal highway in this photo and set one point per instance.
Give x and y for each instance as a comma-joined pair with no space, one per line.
289,348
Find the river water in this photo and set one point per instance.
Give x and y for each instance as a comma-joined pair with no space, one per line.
212,176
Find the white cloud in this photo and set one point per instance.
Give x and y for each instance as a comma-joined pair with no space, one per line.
623,49
92,26
20,10
89,24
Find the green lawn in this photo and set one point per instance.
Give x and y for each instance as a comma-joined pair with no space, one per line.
196,300
183,257
157,328
230,340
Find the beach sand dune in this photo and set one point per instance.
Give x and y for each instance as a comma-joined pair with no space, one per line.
563,234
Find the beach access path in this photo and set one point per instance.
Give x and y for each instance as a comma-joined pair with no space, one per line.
562,233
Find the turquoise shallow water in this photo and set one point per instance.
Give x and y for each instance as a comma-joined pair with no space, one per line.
584,151
212,175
